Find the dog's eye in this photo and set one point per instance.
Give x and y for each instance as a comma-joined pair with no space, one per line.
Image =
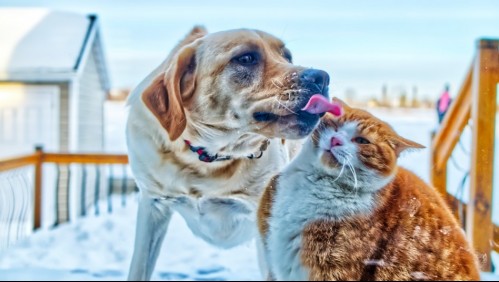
247,59
361,140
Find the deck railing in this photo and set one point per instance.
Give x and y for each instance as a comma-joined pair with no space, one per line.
39,158
476,102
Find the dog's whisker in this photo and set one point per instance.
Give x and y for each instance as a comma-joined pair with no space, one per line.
275,83
284,106
315,138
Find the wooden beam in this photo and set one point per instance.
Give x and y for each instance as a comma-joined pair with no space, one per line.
453,124
439,176
18,162
455,205
85,158
37,207
479,216
494,243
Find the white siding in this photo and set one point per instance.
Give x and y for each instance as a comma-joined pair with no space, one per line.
29,115
91,96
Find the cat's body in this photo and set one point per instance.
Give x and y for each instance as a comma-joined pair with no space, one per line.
316,226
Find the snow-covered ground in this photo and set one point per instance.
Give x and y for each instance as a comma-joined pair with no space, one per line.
100,248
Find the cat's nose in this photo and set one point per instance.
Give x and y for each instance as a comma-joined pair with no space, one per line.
336,142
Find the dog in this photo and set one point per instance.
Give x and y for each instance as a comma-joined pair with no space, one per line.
206,131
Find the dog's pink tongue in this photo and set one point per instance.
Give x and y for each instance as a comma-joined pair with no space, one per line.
319,104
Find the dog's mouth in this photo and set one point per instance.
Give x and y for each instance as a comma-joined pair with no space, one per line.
294,125
297,109
309,111
271,117
296,117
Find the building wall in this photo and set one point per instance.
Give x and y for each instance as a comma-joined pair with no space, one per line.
29,116
91,97
64,117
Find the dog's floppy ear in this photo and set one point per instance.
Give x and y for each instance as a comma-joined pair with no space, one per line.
195,33
165,95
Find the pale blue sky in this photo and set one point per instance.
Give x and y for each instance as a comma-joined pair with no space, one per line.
362,44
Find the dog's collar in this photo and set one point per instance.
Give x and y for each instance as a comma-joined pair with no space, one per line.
204,156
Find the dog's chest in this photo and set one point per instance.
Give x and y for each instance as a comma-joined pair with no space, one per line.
222,221
220,211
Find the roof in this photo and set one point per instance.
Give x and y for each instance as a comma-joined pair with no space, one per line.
45,45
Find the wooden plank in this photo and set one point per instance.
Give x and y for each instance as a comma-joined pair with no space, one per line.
479,214
85,158
494,243
18,162
439,176
453,124
455,205
37,208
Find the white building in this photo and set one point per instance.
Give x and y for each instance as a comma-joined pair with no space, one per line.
53,81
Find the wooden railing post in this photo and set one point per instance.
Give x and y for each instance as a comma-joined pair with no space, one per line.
438,174
479,225
37,208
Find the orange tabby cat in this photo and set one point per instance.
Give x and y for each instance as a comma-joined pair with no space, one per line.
344,210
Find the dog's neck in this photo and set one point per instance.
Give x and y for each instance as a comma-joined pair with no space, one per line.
231,146
206,157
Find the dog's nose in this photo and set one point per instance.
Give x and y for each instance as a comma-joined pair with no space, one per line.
318,77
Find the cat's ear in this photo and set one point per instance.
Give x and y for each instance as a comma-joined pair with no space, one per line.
339,101
401,144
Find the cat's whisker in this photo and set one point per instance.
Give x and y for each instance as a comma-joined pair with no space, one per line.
341,172
354,174
354,190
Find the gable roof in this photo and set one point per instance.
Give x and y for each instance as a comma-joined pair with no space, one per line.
44,45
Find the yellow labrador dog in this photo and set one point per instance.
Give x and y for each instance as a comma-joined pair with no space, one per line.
206,132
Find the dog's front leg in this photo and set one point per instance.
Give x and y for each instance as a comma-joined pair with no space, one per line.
152,222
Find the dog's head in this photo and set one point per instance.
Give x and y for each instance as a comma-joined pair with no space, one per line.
237,81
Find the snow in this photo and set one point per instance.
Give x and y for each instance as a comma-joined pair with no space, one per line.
58,37
100,248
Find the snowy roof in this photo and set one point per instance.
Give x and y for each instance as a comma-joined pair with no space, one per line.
42,45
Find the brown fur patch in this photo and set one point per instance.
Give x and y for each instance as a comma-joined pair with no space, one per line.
411,236
228,170
264,209
385,144
241,192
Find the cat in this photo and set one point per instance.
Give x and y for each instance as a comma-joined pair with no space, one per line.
344,210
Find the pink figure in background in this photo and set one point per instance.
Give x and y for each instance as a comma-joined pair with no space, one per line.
319,104
443,103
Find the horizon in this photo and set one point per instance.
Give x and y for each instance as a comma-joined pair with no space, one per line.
363,45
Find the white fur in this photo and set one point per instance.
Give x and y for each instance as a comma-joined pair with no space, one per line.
215,215
307,191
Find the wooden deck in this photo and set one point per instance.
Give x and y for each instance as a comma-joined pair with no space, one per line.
476,101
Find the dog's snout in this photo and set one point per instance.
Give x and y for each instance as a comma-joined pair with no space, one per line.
317,77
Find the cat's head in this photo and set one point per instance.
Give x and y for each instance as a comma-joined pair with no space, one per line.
359,146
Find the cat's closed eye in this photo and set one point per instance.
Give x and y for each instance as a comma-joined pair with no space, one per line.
361,140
